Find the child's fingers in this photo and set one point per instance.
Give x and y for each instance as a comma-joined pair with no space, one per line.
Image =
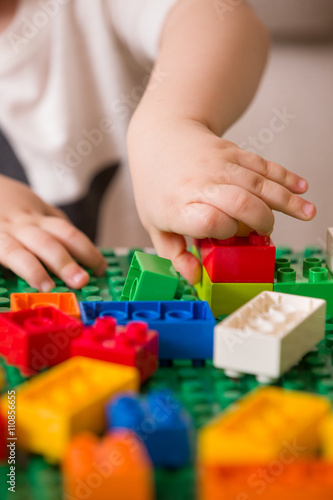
52,254
273,171
23,263
56,212
276,196
211,220
239,204
77,243
173,246
201,220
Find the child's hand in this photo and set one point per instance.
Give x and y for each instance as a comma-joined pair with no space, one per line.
32,232
188,181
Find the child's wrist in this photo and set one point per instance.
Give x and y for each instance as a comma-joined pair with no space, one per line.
148,120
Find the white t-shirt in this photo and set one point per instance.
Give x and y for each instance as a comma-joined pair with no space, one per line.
71,74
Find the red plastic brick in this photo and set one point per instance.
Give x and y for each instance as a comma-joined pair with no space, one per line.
65,302
130,345
33,339
238,259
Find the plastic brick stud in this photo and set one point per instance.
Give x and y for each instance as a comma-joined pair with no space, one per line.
66,302
151,278
307,277
65,400
116,467
131,345
33,339
269,334
329,249
261,425
238,259
185,328
160,421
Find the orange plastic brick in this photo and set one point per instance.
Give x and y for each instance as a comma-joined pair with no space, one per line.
116,467
261,425
66,302
287,479
65,401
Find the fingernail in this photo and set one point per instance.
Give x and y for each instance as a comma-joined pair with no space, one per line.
265,233
308,209
47,286
302,184
79,277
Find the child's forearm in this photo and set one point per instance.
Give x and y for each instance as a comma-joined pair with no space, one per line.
211,59
186,179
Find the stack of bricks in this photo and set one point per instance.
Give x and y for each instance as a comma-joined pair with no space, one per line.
235,270
185,327
273,444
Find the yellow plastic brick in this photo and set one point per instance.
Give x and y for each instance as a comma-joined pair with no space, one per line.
225,298
265,425
66,400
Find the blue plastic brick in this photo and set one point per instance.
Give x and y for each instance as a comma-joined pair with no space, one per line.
160,420
185,328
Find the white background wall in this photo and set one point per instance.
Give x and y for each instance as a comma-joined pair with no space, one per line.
299,78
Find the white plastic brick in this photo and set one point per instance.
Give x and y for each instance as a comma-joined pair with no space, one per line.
329,249
269,334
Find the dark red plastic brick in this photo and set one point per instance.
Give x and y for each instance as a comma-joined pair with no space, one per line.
33,339
130,345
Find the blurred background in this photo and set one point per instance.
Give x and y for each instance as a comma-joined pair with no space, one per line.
290,121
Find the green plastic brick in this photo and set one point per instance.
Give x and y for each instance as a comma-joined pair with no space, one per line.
151,278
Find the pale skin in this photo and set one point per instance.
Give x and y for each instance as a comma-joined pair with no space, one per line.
186,179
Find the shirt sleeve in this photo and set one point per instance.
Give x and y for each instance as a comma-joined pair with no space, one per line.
139,24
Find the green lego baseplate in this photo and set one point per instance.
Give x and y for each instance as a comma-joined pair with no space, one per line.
304,274
108,287
203,389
